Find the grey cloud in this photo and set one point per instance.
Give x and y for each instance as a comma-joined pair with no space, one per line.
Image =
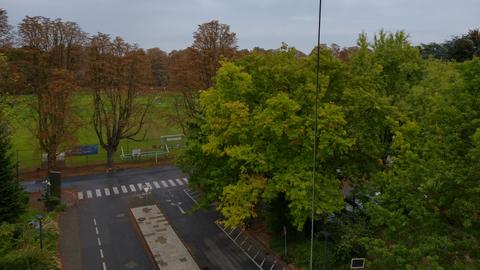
169,24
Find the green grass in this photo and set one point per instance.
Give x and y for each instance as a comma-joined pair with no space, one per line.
22,120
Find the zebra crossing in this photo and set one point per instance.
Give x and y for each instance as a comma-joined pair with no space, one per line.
130,188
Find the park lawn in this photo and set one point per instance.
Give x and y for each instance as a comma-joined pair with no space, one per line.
25,146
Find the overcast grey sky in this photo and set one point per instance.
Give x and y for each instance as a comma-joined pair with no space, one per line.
169,24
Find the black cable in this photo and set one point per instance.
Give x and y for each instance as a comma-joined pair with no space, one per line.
317,90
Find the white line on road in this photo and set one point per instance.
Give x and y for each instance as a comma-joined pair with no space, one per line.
156,184
164,183
148,185
104,266
190,196
98,192
96,230
124,189
115,190
89,194
94,222
179,182
107,191
132,187
185,179
179,207
101,253
139,185
171,182
99,242
80,195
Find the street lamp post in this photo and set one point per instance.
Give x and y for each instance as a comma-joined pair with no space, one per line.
39,217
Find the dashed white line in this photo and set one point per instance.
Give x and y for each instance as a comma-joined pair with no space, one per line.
107,191
171,182
124,189
156,184
99,242
101,253
96,230
115,190
89,193
139,185
94,222
164,183
132,187
185,179
104,266
80,195
179,182
98,192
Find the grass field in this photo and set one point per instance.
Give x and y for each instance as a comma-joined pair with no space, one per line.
25,145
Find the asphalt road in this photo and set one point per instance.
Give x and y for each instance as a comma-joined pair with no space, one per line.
98,232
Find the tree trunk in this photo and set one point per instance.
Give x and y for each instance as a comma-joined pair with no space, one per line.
110,154
51,161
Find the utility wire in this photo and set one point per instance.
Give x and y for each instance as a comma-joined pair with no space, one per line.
314,176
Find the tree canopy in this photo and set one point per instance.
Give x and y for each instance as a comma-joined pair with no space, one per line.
401,130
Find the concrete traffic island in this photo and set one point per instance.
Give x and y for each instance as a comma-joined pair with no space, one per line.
165,246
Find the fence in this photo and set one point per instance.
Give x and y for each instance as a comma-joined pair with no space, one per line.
31,160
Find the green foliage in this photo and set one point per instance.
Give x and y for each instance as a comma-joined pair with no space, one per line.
12,196
390,123
51,202
255,129
20,248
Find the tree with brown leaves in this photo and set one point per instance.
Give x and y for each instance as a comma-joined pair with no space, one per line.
55,49
213,41
159,66
56,121
193,69
118,73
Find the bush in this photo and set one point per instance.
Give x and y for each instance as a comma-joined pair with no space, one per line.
51,202
28,258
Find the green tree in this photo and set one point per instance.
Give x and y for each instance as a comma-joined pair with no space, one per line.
12,196
252,141
427,216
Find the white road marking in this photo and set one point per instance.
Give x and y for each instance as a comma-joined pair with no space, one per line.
107,191
139,185
94,222
89,194
99,242
179,182
96,230
104,266
98,192
156,184
80,195
132,187
185,179
124,189
180,208
101,253
115,190
171,182
190,196
164,183
148,185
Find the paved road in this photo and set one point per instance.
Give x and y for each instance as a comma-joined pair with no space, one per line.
98,232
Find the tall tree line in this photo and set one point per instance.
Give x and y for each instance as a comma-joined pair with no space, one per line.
55,59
